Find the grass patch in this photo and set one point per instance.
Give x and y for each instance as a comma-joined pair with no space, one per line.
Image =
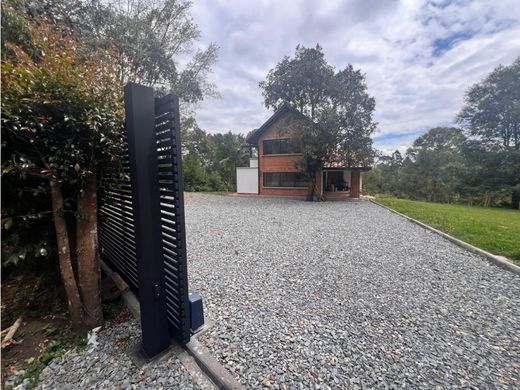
492,229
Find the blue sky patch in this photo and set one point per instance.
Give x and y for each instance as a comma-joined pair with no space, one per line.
442,45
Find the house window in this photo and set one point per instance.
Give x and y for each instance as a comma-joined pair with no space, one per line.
285,179
280,146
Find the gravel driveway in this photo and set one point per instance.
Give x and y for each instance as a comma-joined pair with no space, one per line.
106,365
347,295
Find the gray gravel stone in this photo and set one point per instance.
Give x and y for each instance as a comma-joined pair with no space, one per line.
108,366
347,295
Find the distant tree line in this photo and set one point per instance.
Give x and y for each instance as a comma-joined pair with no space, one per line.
478,163
210,160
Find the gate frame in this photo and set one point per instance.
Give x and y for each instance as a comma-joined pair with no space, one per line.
142,147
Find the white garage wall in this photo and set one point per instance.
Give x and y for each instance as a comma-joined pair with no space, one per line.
247,180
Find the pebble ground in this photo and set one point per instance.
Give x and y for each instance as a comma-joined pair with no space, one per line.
347,295
106,365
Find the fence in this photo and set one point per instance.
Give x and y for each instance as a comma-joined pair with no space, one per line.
141,228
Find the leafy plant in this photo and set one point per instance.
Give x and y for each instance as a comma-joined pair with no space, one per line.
491,116
62,122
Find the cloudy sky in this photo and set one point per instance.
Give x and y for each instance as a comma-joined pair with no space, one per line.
418,56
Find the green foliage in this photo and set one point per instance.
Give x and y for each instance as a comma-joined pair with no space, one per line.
492,108
26,239
491,117
383,178
478,166
61,109
147,38
210,160
64,64
335,118
62,117
194,174
304,82
465,172
434,165
228,153
492,229
493,175
444,166
15,27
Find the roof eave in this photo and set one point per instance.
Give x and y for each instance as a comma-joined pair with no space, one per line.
255,136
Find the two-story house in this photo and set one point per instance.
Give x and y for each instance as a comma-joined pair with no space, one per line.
274,172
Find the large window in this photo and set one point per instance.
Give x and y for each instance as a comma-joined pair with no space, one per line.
280,146
285,179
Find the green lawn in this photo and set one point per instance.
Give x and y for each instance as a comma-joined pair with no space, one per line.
494,230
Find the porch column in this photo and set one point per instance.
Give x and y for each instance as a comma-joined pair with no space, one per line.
319,182
355,183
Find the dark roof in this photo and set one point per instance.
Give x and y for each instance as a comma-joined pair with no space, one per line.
253,137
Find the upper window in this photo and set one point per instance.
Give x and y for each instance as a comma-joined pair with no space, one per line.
280,146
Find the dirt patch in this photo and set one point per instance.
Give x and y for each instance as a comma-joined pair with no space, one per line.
38,300
30,340
45,332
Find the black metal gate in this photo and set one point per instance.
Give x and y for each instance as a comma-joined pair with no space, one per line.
142,229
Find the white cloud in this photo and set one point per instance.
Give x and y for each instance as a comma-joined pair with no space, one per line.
393,43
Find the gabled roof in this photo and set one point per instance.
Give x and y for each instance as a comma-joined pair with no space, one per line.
253,137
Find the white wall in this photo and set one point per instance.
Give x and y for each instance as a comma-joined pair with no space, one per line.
247,180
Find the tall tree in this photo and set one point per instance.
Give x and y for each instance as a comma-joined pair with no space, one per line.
491,115
229,153
491,177
62,121
210,160
304,82
436,161
335,111
492,108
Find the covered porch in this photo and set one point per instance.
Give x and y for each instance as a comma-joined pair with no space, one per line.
338,184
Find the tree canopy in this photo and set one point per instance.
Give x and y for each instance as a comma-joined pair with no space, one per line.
62,130
210,160
491,109
148,39
336,112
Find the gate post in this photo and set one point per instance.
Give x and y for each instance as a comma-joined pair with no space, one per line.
142,148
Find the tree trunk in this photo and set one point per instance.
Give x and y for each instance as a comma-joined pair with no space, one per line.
515,200
311,190
487,199
65,262
89,272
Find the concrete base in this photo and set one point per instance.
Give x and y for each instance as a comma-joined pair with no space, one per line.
333,199
204,368
211,366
